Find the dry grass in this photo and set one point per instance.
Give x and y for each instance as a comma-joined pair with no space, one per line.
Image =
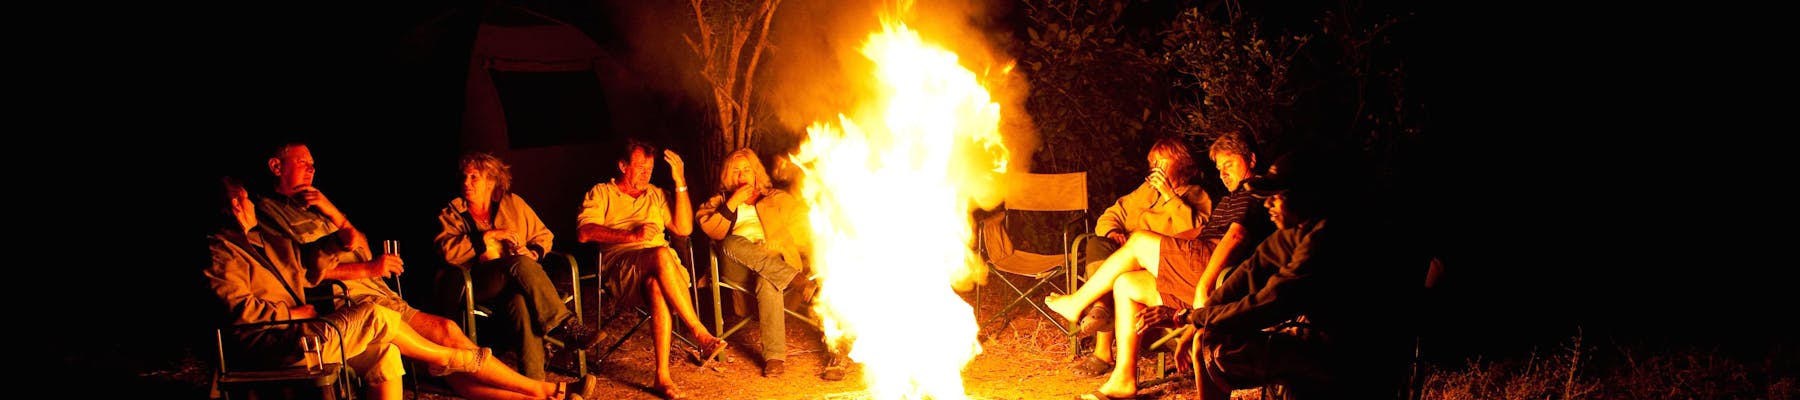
1578,371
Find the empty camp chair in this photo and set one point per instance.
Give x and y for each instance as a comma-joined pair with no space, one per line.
1042,195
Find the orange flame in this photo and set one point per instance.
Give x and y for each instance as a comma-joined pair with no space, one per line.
891,198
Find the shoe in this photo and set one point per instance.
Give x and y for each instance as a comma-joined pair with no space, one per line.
1092,366
588,387
836,368
774,368
576,335
1097,318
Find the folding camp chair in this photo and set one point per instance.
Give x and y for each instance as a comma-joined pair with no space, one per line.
738,281
1037,195
637,316
471,312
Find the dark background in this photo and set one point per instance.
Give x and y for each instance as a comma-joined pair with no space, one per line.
1581,203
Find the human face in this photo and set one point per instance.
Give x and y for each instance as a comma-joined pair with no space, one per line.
637,171
295,170
1278,211
1233,169
739,172
477,186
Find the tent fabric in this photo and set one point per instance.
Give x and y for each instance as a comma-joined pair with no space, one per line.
513,39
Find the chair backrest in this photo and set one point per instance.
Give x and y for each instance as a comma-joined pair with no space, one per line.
1046,192
1035,193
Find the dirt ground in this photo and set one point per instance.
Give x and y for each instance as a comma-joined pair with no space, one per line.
1029,359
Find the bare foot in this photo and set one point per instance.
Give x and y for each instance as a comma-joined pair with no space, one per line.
668,390
1063,305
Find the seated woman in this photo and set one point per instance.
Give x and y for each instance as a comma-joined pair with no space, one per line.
761,229
495,236
256,274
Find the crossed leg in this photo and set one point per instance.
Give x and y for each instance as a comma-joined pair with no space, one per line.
1142,251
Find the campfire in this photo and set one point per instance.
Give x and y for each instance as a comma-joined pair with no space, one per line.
891,187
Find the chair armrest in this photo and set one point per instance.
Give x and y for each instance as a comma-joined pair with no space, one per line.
219,334
574,278
327,295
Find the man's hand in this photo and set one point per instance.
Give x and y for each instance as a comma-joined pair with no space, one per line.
677,168
647,231
387,265
316,198
1117,236
1161,317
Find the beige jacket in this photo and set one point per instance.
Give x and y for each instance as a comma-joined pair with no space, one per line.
784,220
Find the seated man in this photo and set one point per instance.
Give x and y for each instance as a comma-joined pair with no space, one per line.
627,217
337,250
761,229
495,236
1168,203
256,276
1152,269
1335,270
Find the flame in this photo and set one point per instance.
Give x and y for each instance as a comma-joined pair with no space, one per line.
891,197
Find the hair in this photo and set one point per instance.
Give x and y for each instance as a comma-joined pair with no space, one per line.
1231,143
633,145
1181,165
228,189
492,167
281,149
726,177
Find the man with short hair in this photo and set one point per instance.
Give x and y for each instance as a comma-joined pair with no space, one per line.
627,217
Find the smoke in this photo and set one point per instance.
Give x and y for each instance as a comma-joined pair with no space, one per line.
816,70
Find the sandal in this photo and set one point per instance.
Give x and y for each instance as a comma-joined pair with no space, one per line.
583,388
1092,366
710,351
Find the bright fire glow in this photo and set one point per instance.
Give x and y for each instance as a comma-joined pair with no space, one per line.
891,194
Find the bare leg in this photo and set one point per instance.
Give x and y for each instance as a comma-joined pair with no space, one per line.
675,291
1143,248
1131,293
445,332
659,316
391,389
1101,350
493,374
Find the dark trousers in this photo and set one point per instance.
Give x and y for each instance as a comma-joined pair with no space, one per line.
526,299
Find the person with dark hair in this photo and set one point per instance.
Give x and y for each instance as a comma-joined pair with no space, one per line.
1168,203
1332,270
494,234
627,217
763,230
1151,269
257,275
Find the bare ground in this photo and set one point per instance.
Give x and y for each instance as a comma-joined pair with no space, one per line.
1027,359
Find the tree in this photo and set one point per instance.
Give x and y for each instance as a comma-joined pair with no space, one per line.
729,38
1095,91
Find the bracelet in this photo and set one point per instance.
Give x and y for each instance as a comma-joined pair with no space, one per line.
681,188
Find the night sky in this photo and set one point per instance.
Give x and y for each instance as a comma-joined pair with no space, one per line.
1565,213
